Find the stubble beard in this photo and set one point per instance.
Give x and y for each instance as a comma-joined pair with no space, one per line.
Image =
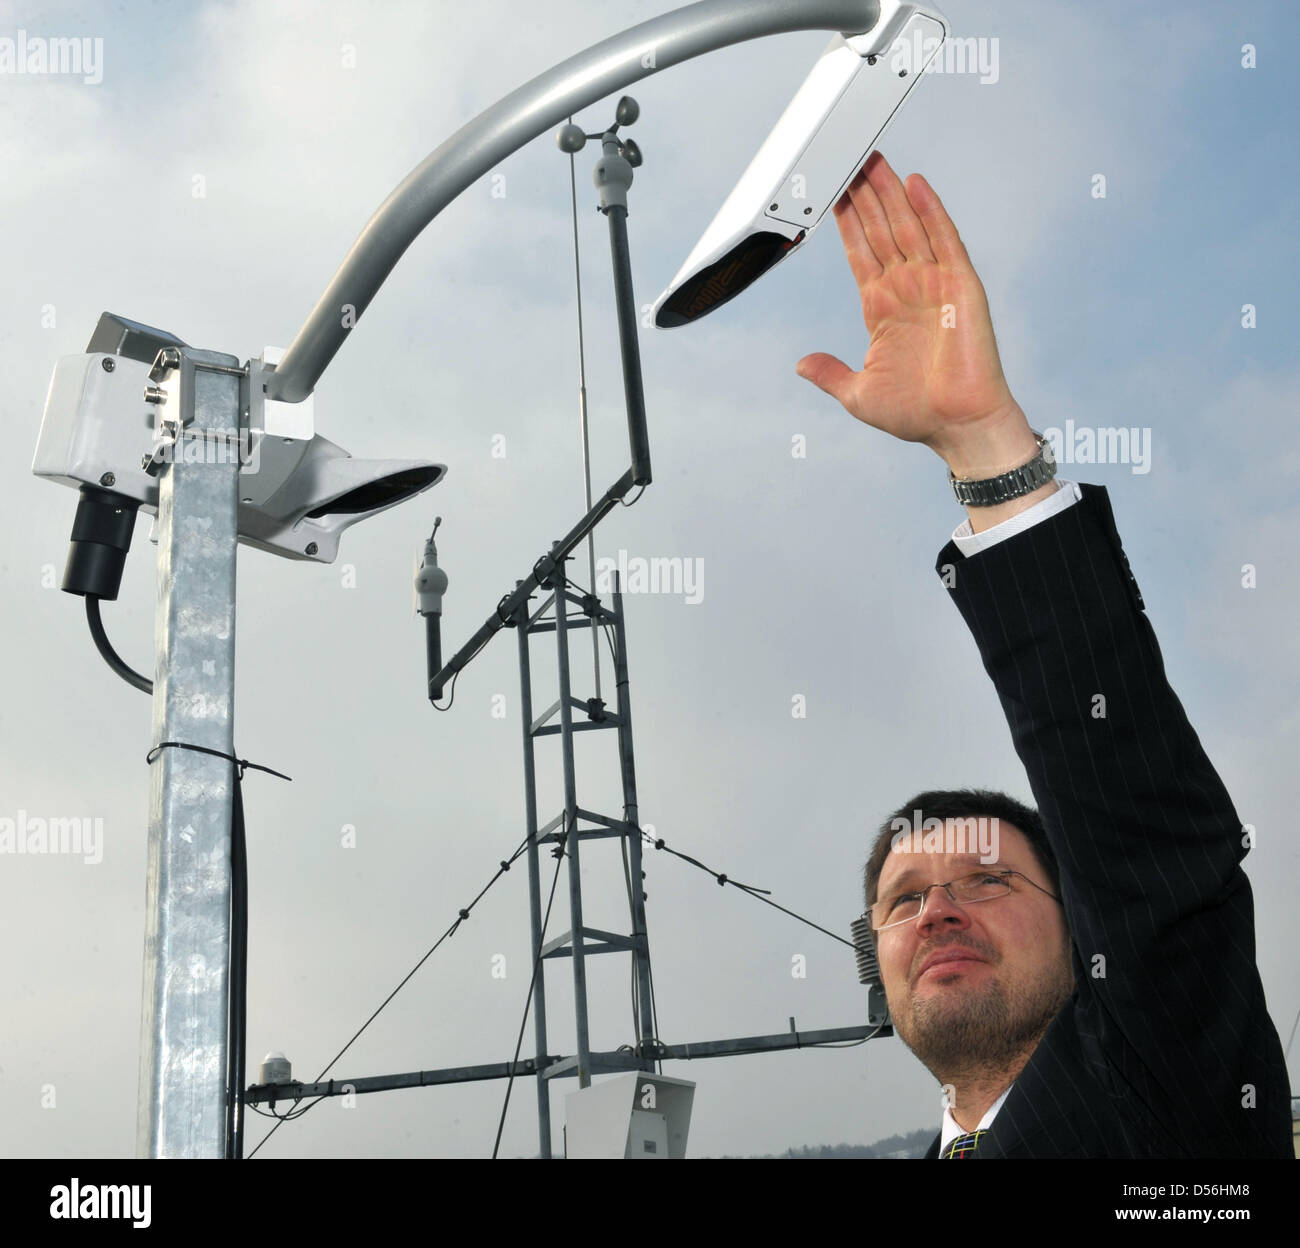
975,1030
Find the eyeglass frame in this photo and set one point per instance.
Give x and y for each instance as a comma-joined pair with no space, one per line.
1006,873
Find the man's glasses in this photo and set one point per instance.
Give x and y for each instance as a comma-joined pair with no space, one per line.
978,886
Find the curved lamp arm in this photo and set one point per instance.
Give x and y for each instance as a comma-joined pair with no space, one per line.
517,119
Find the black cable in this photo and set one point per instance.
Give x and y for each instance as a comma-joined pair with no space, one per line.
532,983
631,907
609,638
451,931
654,1011
636,500
105,647
844,1044
658,843
238,1008
291,1116
451,689
451,693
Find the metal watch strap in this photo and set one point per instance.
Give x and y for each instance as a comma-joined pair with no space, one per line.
1008,485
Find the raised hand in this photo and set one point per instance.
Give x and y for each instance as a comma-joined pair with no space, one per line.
932,372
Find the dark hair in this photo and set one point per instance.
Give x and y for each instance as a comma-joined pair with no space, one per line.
962,804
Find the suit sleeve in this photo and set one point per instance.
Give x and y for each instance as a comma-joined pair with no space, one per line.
1148,842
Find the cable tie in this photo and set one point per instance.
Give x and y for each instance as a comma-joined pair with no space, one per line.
464,914
722,879
241,763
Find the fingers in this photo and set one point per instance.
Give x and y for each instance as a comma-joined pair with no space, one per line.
862,260
907,233
945,242
890,222
875,222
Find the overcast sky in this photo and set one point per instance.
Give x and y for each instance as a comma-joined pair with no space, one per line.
818,575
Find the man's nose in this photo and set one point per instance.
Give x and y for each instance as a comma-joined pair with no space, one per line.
939,909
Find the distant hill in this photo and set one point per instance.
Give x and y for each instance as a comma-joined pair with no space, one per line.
913,1144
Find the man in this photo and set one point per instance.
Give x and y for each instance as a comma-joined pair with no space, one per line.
1114,1010
971,988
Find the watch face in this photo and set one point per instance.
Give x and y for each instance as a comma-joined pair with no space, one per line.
1049,458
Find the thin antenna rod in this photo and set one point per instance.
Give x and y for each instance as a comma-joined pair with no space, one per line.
582,413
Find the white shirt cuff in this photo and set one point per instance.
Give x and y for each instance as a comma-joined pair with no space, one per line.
1067,494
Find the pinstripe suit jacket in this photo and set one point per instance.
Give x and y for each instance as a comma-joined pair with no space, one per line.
1166,1048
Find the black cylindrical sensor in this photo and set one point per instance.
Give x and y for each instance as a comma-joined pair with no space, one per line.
101,538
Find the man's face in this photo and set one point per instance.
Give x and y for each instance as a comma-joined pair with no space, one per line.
1005,965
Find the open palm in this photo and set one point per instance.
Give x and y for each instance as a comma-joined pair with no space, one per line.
932,372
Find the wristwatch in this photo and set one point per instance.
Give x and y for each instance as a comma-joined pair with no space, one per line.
1014,484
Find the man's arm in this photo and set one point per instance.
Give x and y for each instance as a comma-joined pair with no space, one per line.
1150,846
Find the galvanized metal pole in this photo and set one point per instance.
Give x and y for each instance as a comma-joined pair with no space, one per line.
534,880
572,839
183,1061
629,345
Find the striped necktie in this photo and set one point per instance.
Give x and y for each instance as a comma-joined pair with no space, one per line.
963,1145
